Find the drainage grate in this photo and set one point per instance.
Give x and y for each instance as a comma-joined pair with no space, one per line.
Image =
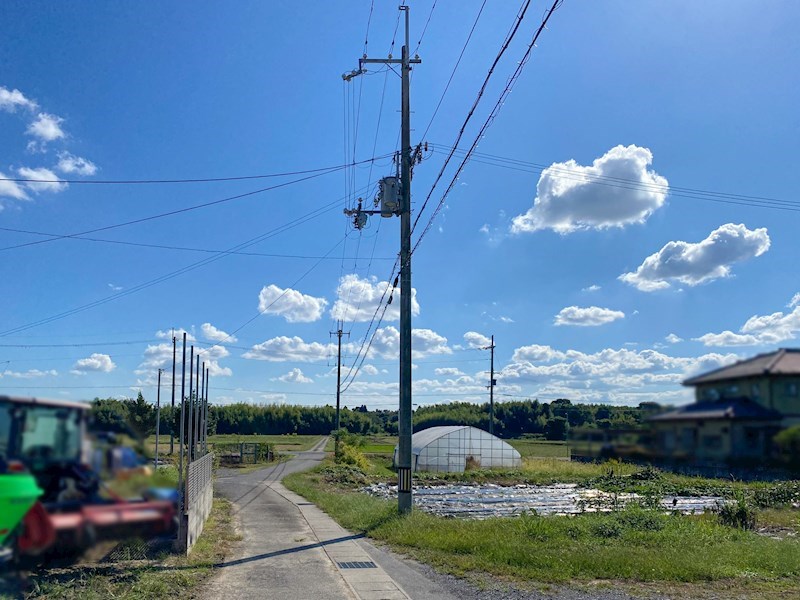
357,565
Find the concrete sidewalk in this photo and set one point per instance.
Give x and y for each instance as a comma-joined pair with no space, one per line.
291,549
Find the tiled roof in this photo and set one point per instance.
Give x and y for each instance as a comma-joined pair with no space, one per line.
732,409
785,361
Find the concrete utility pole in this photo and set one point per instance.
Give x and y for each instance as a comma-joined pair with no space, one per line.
492,383
158,413
338,333
404,210
172,414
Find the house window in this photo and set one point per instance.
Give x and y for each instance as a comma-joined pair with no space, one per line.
711,394
755,390
751,437
712,442
732,390
790,389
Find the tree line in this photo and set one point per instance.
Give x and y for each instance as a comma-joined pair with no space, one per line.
552,420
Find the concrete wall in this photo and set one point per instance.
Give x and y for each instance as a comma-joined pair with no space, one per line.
199,496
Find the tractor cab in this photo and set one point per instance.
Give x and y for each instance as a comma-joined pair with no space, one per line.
46,437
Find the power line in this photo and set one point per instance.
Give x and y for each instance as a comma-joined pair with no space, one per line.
492,115
182,210
299,221
160,181
182,248
501,52
455,68
596,179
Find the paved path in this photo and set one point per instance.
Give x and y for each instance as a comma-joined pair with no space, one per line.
293,550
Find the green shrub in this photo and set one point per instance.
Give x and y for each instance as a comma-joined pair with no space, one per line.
738,512
350,455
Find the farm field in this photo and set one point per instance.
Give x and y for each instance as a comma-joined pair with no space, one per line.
281,443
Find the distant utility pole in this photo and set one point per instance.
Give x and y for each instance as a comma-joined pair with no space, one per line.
338,333
172,414
388,209
158,413
492,383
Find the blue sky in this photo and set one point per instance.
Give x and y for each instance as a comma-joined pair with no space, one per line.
629,217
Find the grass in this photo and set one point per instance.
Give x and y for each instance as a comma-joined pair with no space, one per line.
280,443
635,545
372,444
166,577
539,448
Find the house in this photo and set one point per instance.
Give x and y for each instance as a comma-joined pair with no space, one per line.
737,411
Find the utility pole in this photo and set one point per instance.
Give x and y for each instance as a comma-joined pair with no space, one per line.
172,414
492,383
158,413
338,333
389,207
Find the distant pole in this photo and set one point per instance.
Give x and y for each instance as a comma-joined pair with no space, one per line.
197,406
172,413
491,390
158,413
202,440
182,438
339,333
190,437
208,376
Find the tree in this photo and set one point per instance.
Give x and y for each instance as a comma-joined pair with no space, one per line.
141,416
556,429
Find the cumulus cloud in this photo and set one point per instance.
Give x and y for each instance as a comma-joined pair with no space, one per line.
10,100
673,339
589,316
46,127
357,299
695,263
96,363
476,340
448,371
612,375
291,349
290,304
591,288
215,335
29,374
424,342
41,180
11,189
758,330
369,370
67,163
295,376
178,333
572,197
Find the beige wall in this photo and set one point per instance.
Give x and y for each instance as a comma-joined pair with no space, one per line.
715,441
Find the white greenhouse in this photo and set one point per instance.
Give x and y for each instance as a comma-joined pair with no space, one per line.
451,448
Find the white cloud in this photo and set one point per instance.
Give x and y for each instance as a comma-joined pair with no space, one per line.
96,363
759,330
795,301
68,163
295,376
167,335
589,316
211,357
476,340
46,127
696,263
29,374
291,349
369,370
42,180
505,319
10,100
290,304
673,339
621,376
215,335
424,342
114,288
571,197
357,299
591,288
11,189
451,371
